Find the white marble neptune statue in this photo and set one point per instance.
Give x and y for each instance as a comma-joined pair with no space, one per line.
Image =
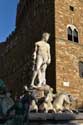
42,59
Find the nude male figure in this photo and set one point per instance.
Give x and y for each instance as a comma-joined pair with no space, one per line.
42,59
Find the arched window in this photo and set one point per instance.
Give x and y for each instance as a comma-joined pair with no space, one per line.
69,32
75,35
72,33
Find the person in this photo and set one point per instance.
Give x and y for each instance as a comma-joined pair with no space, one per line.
42,59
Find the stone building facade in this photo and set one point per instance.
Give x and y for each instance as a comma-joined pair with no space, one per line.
64,21
69,47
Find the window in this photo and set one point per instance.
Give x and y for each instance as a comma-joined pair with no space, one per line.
71,8
81,69
69,30
72,33
75,35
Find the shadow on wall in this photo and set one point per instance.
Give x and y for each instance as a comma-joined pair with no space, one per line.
41,18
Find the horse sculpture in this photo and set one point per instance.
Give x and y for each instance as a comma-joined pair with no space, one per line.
51,102
46,104
63,102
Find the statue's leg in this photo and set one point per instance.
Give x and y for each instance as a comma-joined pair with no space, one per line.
43,70
37,68
39,78
42,75
33,78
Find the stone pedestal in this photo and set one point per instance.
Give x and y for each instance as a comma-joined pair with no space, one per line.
55,119
39,92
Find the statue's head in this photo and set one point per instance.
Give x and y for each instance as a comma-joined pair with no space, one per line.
45,36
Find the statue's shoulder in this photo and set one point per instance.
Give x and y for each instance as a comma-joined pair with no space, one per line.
42,43
38,43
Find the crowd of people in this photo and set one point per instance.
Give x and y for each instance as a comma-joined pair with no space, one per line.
13,110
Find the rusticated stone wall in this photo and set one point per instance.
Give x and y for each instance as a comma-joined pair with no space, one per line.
64,17
69,53
67,69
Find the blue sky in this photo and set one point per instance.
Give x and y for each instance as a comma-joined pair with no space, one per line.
7,17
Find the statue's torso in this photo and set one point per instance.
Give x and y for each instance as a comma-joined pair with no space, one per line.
43,49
